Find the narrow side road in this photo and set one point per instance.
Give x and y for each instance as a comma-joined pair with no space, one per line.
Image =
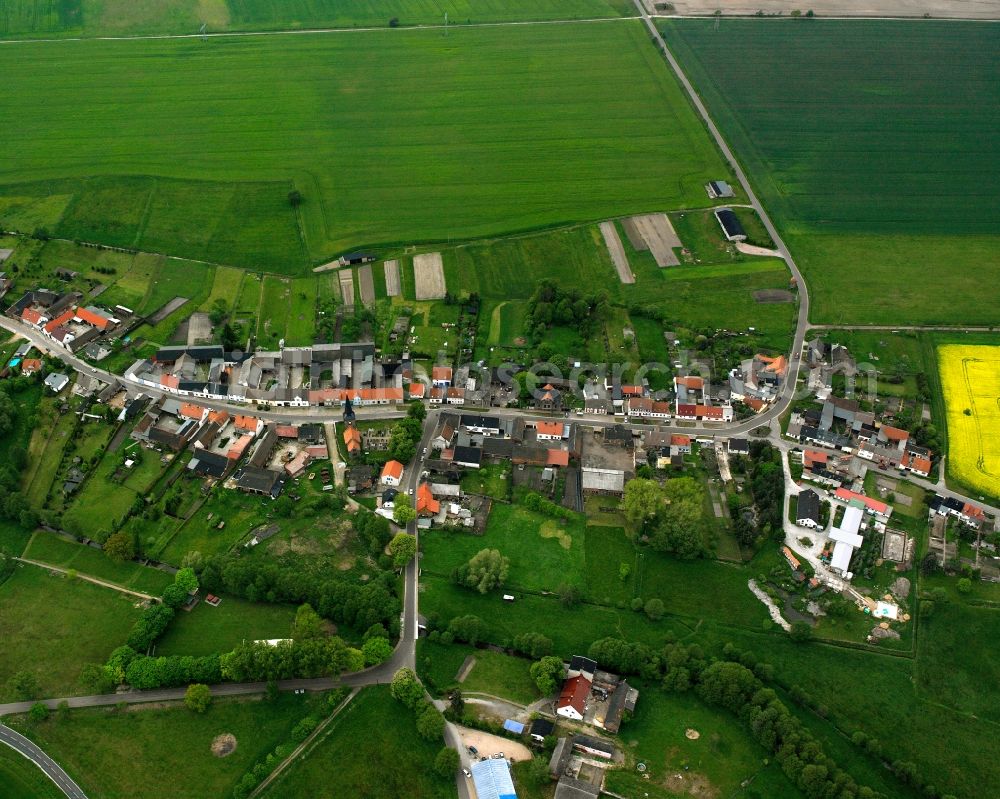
52,770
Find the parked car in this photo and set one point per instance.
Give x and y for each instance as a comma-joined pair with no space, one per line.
498,755
473,751
467,773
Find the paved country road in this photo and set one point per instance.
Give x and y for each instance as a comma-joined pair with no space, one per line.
52,770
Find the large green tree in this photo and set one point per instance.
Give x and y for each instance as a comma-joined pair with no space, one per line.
486,570
403,547
548,674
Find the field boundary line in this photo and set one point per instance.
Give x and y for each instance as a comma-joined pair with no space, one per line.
302,746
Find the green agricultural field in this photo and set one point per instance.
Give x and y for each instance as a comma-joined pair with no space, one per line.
30,18
374,750
274,310
22,779
865,140
52,626
165,753
301,323
205,629
563,124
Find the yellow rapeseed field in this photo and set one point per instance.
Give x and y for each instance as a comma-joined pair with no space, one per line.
970,380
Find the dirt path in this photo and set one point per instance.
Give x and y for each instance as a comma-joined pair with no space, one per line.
89,579
751,249
428,275
367,285
659,236
617,252
392,287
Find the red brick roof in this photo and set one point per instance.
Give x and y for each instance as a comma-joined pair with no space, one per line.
894,433
557,457
690,382
59,321
392,469
191,411
550,428
30,365
352,438
678,440
248,423
574,693
31,316
847,495
287,431
92,319
425,500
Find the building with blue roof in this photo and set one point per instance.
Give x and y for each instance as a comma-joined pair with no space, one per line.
492,779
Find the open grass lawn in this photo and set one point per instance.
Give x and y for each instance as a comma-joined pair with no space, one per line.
225,286
607,550
438,664
493,480
543,552
512,128
166,752
502,675
205,629
864,139
22,779
275,306
373,749
301,324
51,626
724,755
57,551
101,491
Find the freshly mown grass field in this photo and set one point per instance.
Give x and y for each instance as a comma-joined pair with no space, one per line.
373,749
392,137
970,383
51,626
27,18
166,752
866,142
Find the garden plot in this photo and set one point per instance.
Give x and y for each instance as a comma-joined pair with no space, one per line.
346,277
392,286
367,285
617,252
428,273
658,235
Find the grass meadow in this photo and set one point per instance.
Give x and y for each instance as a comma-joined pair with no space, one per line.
373,748
166,751
52,625
205,630
865,141
391,137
